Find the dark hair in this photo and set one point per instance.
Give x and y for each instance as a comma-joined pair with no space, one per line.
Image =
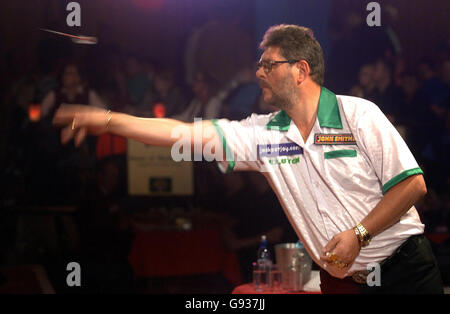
297,43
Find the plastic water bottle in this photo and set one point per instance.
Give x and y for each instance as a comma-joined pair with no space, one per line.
299,245
264,264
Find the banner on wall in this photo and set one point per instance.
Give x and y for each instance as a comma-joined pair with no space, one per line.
152,172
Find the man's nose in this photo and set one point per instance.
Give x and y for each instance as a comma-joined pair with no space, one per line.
260,73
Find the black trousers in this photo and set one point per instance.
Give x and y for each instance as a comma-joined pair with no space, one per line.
411,269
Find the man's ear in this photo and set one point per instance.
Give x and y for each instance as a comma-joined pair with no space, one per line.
303,70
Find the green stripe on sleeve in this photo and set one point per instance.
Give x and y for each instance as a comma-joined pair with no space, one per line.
340,153
228,155
398,178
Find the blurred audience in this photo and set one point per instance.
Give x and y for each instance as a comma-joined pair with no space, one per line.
366,83
218,83
417,103
140,88
167,93
72,91
207,102
385,94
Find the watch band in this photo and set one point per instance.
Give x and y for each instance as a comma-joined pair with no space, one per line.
363,235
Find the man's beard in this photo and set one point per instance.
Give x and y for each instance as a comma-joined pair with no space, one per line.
284,99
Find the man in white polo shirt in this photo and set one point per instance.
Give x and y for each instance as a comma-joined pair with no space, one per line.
345,177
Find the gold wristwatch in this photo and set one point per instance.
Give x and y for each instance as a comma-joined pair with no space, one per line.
362,234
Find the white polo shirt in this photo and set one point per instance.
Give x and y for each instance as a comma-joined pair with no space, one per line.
327,185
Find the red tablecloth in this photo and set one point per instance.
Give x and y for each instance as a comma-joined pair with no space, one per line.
24,279
248,289
438,237
109,144
180,253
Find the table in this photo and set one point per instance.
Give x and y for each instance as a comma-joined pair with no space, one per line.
24,279
311,287
160,253
437,237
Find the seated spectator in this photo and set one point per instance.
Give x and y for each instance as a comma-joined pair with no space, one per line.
72,91
140,86
428,79
207,101
435,86
440,101
366,84
70,164
243,97
169,93
386,95
412,106
108,73
436,90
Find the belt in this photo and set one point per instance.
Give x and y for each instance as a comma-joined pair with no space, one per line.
402,251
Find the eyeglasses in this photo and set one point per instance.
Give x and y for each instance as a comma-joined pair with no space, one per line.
267,65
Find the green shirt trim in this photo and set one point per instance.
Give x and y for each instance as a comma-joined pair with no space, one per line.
328,110
226,149
327,113
398,178
280,122
340,153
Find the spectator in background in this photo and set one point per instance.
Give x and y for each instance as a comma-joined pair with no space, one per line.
208,50
413,105
434,86
169,93
242,99
355,42
140,86
426,74
210,60
71,164
386,95
440,101
207,101
72,91
366,84
108,74
436,91
429,124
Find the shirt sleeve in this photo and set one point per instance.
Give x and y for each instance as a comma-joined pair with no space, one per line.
239,140
386,149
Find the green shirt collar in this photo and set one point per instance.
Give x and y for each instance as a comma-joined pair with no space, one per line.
327,113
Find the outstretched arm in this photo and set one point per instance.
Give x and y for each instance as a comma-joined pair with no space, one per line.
78,121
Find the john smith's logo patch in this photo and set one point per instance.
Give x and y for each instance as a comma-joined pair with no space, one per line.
334,139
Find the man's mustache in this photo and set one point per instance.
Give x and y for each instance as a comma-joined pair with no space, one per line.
263,84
